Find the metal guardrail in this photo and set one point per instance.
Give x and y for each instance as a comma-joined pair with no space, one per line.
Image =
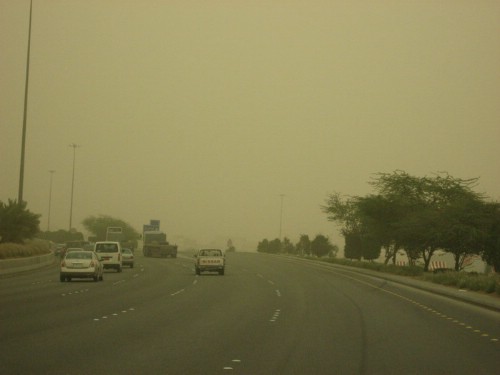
11,266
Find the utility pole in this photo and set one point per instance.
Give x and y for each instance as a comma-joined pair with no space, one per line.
281,214
74,145
50,199
25,115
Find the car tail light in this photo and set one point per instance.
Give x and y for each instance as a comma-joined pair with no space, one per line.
92,264
63,264
119,256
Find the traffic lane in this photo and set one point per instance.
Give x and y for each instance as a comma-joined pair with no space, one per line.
272,320
37,334
188,330
482,321
372,326
152,322
193,330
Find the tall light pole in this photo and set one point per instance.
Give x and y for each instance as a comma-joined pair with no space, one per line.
50,199
74,145
281,213
25,115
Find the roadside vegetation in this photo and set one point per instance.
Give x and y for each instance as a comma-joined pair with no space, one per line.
418,216
30,248
414,216
473,281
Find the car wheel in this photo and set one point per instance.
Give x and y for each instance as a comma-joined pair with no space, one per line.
119,269
96,277
197,270
132,265
221,272
62,278
68,278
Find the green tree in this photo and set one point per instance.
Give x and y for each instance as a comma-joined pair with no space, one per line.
97,225
380,217
491,245
287,246
61,236
263,246
275,246
321,246
424,222
352,245
303,247
17,223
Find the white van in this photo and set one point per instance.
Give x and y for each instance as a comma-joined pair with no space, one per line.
110,254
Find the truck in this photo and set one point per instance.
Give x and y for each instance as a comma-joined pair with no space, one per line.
212,260
156,245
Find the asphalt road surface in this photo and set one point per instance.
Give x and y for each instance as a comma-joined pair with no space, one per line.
267,315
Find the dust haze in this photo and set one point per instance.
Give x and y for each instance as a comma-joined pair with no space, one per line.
200,114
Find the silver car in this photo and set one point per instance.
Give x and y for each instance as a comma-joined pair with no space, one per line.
81,264
127,257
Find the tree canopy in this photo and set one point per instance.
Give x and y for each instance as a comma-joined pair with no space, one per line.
17,223
416,214
97,225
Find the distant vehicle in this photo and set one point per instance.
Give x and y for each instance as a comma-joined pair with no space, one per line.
110,254
114,234
81,264
212,260
127,257
156,245
74,244
75,249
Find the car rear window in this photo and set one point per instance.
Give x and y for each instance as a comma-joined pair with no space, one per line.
78,255
106,248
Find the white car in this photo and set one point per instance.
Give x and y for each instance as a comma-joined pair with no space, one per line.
110,254
81,264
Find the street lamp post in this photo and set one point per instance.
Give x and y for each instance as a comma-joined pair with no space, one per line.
74,145
25,114
50,199
281,213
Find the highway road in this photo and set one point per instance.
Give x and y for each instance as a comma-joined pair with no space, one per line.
267,315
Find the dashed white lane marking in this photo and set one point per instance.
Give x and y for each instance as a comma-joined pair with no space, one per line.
230,367
276,315
75,292
118,282
270,282
195,281
114,314
278,293
175,293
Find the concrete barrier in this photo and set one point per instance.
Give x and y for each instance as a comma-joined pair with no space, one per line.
10,266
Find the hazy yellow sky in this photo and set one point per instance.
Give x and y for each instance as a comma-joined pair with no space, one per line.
201,113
